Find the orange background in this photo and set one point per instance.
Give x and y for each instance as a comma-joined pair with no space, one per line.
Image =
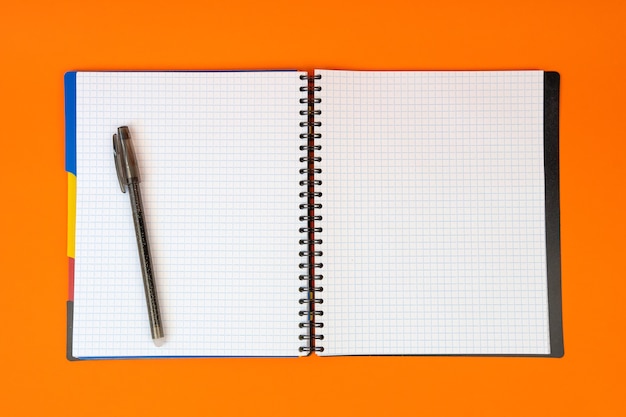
584,41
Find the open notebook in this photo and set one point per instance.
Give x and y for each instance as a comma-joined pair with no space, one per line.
341,212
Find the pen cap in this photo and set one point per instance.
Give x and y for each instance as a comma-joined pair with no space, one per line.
128,159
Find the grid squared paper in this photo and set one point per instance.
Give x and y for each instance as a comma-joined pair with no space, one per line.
219,159
433,207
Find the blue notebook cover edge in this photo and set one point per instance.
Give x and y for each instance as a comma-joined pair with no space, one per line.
70,122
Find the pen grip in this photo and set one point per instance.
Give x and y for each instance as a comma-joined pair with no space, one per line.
145,259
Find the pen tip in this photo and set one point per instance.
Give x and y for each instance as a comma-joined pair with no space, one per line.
159,342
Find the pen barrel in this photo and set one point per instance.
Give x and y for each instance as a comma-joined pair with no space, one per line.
145,258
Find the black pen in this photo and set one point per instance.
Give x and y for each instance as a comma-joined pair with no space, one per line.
128,175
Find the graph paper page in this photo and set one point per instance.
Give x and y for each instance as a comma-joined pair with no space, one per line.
433,213
219,159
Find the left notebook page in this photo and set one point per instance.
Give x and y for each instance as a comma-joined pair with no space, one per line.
219,159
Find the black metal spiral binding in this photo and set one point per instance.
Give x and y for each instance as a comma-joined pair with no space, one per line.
311,227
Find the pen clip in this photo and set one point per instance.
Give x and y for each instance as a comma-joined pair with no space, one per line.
117,156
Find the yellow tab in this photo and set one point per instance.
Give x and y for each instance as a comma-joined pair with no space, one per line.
71,214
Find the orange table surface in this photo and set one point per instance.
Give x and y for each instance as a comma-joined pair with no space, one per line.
584,41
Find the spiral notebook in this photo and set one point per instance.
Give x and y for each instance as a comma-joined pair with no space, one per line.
335,212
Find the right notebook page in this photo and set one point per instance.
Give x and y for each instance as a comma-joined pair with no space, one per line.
434,235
